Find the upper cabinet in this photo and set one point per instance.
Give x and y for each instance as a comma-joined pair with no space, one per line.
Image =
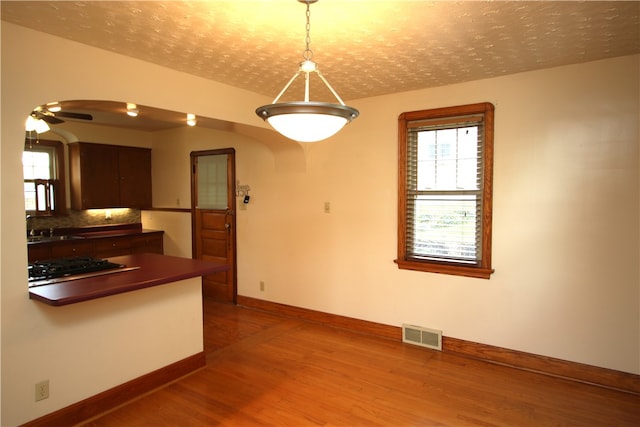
109,176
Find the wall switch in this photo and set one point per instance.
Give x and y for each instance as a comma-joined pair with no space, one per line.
42,390
327,207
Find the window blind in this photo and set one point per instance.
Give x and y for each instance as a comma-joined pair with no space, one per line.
444,189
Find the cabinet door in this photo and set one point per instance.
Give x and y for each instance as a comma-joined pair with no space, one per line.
152,243
71,248
94,176
106,247
109,176
39,252
135,177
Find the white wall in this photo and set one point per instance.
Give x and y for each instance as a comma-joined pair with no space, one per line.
565,218
566,207
86,348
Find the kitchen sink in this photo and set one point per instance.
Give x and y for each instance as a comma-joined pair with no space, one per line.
33,239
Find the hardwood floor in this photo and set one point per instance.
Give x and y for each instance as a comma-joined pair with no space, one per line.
270,370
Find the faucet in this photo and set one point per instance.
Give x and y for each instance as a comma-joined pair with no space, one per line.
30,231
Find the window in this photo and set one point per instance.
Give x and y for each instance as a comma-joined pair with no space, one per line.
43,171
445,190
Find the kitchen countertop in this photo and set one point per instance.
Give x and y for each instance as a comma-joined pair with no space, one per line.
84,235
155,269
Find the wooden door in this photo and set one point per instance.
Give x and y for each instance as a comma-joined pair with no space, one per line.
213,219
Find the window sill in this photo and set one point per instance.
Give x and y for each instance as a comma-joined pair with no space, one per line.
455,270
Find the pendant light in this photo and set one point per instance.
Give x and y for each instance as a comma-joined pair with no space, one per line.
307,121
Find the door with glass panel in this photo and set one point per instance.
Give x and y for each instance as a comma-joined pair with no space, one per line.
213,218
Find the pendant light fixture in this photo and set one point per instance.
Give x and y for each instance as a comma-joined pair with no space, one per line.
307,121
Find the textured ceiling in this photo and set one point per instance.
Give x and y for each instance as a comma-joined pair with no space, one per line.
363,48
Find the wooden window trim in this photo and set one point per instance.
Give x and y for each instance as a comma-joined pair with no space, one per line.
483,269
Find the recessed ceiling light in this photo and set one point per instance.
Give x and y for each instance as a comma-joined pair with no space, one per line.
132,109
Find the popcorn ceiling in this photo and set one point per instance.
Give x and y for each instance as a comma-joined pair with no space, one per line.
364,48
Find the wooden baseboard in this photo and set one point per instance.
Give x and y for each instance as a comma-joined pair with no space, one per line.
594,375
112,398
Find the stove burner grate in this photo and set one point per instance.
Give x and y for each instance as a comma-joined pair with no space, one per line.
54,268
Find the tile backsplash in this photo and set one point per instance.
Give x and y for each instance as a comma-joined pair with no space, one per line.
85,218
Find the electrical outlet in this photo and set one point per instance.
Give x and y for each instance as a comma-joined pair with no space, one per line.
327,207
42,390
262,286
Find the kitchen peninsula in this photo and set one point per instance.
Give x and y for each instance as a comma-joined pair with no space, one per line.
118,335
148,270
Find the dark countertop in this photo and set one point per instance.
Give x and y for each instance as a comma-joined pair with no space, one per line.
91,232
155,269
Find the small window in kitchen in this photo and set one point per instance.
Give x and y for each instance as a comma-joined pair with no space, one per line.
43,172
445,190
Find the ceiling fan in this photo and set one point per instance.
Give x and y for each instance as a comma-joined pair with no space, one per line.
53,117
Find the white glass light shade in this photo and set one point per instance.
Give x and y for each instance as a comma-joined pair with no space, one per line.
42,126
38,125
307,127
307,121
30,124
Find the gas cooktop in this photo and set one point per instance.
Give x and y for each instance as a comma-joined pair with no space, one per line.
44,272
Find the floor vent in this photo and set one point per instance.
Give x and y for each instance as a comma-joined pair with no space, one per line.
425,337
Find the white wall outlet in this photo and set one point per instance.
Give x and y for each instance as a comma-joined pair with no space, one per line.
42,390
261,286
327,207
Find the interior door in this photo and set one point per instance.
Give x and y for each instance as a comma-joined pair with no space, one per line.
213,219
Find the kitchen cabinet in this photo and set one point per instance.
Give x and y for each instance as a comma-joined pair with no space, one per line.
148,242
106,247
99,247
39,252
70,248
109,176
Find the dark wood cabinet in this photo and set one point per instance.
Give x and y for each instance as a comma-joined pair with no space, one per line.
148,242
134,166
106,247
99,247
109,176
38,252
69,248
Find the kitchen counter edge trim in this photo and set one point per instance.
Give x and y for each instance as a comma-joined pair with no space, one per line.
155,270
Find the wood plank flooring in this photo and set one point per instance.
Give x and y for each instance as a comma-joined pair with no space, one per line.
265,369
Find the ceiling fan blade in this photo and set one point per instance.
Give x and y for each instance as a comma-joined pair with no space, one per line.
50,119
71,115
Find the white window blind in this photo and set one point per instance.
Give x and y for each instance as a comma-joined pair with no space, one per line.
444,189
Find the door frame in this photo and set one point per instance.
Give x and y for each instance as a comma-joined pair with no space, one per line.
231,209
